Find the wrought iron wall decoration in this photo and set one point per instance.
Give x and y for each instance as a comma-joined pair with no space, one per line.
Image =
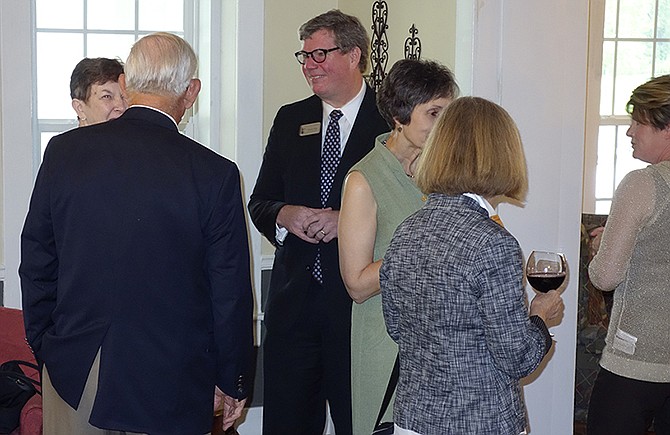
379,44
413,44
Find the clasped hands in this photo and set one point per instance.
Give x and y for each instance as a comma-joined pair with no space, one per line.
313,225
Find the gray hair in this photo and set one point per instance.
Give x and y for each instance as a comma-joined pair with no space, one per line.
160,63
348,31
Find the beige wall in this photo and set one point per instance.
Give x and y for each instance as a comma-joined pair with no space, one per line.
282,79
435,20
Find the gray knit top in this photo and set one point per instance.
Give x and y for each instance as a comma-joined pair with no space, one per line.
634,261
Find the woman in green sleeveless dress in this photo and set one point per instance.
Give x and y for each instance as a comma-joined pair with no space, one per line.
379,193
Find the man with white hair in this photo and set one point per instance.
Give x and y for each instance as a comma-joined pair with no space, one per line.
135,265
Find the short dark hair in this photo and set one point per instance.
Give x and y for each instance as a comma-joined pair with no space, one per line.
88,72
347,30
650,103
410,83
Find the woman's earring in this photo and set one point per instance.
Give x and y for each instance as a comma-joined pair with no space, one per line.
400,129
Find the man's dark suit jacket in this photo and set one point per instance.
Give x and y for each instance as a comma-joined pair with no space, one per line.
290,174
136,243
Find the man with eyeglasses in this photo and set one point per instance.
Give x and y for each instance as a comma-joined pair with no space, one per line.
295,204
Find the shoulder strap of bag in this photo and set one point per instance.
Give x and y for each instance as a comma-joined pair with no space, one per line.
393,380
5,369
27,364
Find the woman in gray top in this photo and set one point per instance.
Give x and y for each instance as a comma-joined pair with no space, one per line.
452,284
633,386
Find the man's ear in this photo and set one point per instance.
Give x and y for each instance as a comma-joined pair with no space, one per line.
354,57
192,92
122,83
666,131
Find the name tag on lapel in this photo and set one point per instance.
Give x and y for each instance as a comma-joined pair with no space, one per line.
310,129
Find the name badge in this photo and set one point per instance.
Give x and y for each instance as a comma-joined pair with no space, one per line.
310,129
624,342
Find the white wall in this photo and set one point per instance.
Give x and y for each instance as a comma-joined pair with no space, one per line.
530,57
241,134
15,137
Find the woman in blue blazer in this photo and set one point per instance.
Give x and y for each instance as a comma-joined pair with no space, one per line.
452,284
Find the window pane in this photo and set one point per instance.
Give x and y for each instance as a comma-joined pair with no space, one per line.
624,155
170,18
57,54
631,56
662,58
63,14
610,19
607,80
633,69
663,19
45,137
636,18
603,207
605,165
103,15
109,45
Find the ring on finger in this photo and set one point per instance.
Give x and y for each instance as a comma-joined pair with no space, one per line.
324,234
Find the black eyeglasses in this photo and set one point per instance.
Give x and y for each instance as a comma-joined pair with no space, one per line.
318,55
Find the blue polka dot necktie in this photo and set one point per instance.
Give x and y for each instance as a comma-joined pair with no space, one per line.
330,160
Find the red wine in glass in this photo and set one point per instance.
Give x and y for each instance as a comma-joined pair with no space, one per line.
545,270
543,282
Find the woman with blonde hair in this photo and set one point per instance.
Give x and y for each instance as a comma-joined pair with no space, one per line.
633,261
453,288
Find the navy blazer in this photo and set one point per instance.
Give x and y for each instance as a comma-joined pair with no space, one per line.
290,174
135,243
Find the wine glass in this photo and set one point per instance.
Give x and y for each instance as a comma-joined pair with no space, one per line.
545,270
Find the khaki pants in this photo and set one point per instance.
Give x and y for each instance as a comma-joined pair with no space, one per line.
61,419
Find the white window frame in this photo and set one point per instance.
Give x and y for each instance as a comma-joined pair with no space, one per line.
211,28
594,68
191,16
593,118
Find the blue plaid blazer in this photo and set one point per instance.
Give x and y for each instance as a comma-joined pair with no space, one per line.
454,301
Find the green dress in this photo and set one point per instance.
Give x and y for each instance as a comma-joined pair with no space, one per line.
372,350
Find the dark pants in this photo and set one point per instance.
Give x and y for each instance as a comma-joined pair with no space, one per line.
624,406
304,367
